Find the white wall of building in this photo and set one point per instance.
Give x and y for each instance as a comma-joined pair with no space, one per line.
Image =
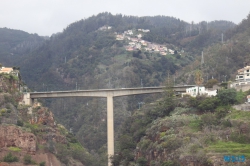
202,91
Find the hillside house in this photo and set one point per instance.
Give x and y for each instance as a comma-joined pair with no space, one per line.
243,75
145,30
193,91
131,43
138,46
130,49
119,37
104,28
171,51
129,32
163,53
6,70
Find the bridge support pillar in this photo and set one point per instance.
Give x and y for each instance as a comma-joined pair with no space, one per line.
27,100
110,128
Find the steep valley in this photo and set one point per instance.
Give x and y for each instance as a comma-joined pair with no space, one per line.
149,129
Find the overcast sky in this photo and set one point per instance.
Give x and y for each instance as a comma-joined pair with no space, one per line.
46,17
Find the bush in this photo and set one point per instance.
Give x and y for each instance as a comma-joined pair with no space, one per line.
196,125
226,123
141,161
227,96
208,104
239,138
27,160
15,149
19,123
42,163
9,158
209,119
221,112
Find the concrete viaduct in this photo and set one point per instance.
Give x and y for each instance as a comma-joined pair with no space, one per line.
109,94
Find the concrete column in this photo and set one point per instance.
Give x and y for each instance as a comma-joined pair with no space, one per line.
26,99
110,127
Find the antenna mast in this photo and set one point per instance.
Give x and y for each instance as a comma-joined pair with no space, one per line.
202,58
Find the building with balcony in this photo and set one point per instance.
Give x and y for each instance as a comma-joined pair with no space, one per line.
243,75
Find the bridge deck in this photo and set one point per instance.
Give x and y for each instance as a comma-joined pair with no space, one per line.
105,92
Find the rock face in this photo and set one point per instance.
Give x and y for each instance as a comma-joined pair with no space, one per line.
14,136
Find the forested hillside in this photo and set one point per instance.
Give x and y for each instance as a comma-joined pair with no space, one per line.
84,57
222,60
15,43
198,131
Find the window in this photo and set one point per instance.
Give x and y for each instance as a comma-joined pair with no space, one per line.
247,70
240,76
247,74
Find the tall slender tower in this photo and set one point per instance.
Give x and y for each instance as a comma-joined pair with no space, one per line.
222,38
202,58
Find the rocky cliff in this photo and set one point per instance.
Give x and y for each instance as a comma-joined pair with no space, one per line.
29,135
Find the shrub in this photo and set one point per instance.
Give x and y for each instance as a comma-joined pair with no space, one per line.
141,161
239,138
27,160
226,123
227,96
15,149
10,158
209,119
168,163
194,148
172,144
208,104
221,112
195,125
19,123
42,163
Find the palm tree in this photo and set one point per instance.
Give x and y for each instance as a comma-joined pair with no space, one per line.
198,79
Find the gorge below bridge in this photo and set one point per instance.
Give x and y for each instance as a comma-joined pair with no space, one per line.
107,93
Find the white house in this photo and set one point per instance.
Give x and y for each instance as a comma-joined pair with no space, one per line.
139,36
138,46
193,91
145,30
130,32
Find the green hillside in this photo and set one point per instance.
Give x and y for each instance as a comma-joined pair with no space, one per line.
85,57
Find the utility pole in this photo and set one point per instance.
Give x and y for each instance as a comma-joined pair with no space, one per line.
168,77
174,79
222,38
141,83
199,28
76,85
202,58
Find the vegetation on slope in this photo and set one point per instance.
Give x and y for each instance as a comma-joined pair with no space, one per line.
199,130
34,130
82,57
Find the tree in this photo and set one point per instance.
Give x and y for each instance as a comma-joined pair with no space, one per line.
10,158
198,79
168,103
210,83
227,96
208,104
141,161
